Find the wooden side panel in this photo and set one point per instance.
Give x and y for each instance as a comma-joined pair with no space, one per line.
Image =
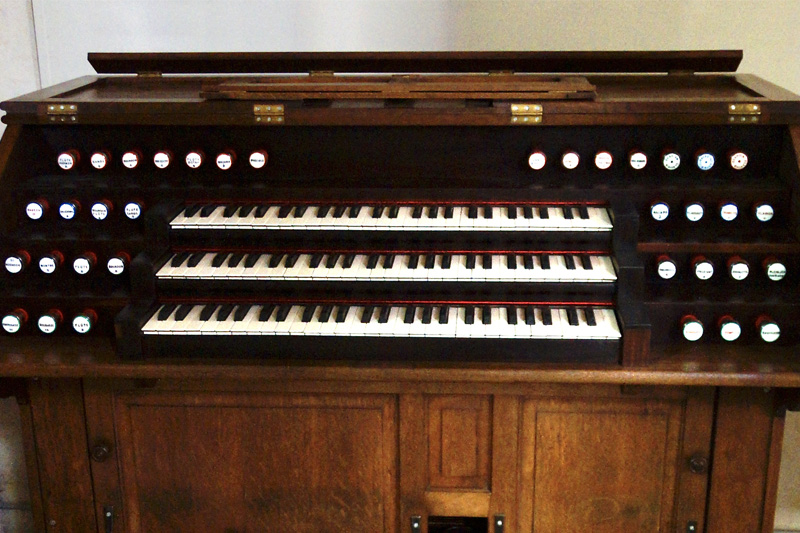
741,460
236,463
606,465
505,450
63,455
413,475
459,442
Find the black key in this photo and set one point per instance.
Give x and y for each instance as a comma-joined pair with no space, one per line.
354,211
433,211
366,314
179,259
472,211
331,261
347,262
195,259
207,311
182,311
527,212
570,262
251,260
235,259
219,259
291,260
372,261
284,211
266,311
240,313
487,261
528,261
224,312
338,211
275,260
547,316
572,316
427,314
394,211
316,259
261,211
591,320
192,210
511,315
444,314
449,211
544,213
544,260
486,315
308,313
417,212
246,210
165,311
567,213
388,261
206,211
413,261
322,211
408,318
377,211
511,260
430,261
229,211
447,260
283,312
383,318
470,261
530,315
299,211
583,212
586,262
341,313
512,212
488,212
469,314
325,314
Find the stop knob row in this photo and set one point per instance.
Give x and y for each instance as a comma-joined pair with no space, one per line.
82,264
637,159
737,268
131,159
50,321
729,328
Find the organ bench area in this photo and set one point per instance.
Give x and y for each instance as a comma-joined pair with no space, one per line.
402,292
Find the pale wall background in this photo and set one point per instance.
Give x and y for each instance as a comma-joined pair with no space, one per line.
46,41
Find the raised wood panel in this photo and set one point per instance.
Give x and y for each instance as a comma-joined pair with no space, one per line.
459,442
603,466
257,462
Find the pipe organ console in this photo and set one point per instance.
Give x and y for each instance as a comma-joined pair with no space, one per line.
404,213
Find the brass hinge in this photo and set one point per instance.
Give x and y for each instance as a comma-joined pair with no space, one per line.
268,113
62,112
149,74
526,113
744,112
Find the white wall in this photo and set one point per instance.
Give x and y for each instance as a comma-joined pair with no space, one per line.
46,41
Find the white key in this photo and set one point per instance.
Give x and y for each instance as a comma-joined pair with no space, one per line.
285,327
255,326
155,326
189,325
387,329
444,330
241,327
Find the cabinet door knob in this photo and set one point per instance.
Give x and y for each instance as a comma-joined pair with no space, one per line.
698,464
101,451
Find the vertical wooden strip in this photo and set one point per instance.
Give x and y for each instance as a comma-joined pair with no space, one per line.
527,470
99,404
413,461
505,450
63,455
692,487
741,460
773,473
32,464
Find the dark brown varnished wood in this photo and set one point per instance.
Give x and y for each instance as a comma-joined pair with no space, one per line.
255,62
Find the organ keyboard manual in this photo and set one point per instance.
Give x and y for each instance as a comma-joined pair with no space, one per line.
404,206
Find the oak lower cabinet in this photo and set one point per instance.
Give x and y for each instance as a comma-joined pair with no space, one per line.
245,456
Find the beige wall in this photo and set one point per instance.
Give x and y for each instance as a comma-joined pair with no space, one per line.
48,40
